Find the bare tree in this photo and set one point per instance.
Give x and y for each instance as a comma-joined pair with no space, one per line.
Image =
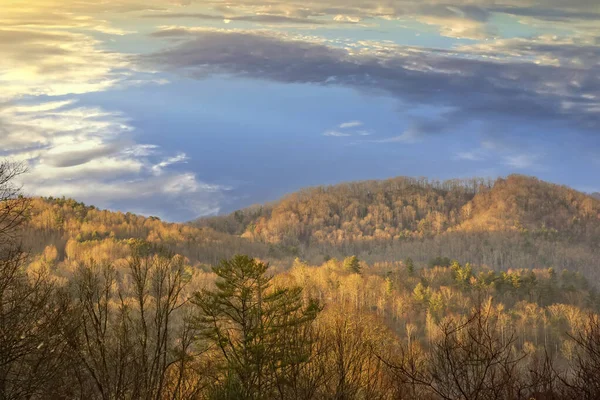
31,346
584,380
13,206
470,361
127,341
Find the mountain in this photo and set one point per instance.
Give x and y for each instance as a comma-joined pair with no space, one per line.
596,195
390,209
404,208
73,232
516,222
513,221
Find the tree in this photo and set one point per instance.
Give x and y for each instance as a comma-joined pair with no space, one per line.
352,264
410,266
131,334
469,361
259,330
462,275
13,206
440,262
31,346
354,370
584,383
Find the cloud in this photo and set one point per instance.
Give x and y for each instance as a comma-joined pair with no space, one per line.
473,19
56,15
55,49
176,197
59,157
334,133
474,88
456,18
179,158
346,129
506,148
55,63
474,155
350,124
458,27
408,136
550,50
521,161
50,55
268,19
89,154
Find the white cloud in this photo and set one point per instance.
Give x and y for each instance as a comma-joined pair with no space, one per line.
474,155
141,150
55,63
505,149
521,161
410,135
457,27
179,158
351,124
347,129
85,152
89,154
346,18
334,133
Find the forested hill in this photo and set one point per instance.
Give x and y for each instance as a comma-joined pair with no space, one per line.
402,208
391,209
517,220
67,232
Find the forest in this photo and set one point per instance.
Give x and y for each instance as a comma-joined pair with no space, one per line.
513,221
477,290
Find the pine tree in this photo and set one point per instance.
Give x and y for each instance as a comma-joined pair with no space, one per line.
352,264
261,331
410,266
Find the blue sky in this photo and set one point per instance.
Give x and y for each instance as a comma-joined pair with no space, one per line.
182,109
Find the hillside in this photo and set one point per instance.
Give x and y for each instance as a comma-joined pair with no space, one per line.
391,209
402,208
515,221
70,232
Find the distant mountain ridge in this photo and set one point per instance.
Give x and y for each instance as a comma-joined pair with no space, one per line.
78,232
517,221
403,208
514,222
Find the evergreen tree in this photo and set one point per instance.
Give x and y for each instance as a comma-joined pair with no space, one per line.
352,264
410,266
261,331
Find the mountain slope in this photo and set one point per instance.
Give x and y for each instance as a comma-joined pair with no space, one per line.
384,210
74,232
403,208
525,203
517,221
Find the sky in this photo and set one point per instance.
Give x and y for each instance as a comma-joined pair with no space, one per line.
183,108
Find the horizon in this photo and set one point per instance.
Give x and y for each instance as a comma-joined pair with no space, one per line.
183,109
595,195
